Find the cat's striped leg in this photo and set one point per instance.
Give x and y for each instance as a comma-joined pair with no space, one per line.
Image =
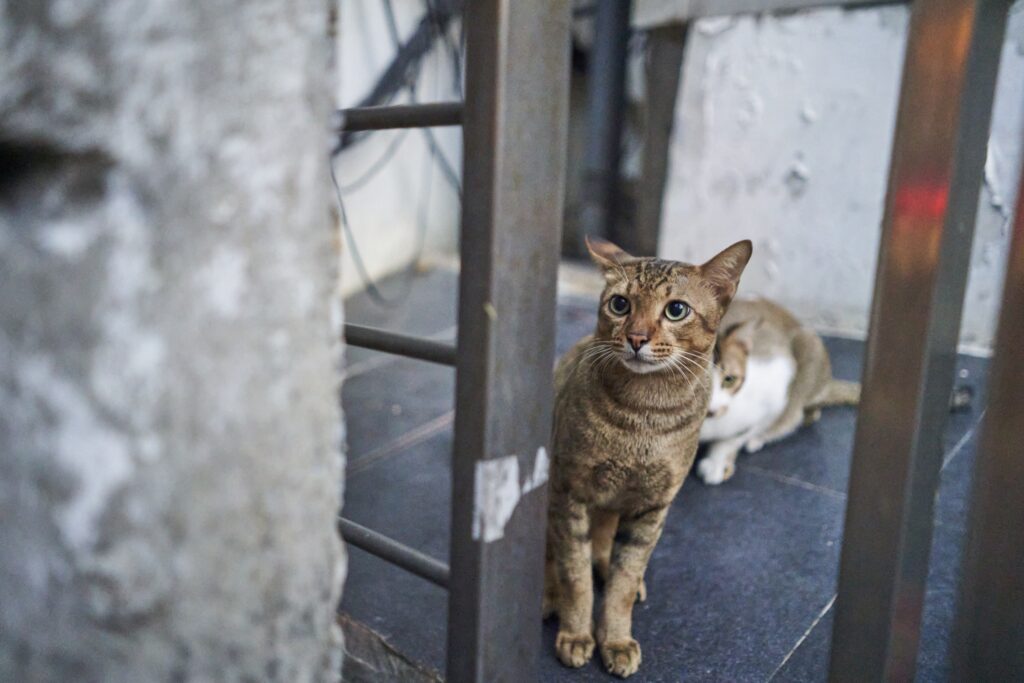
569,525
603,529
786,424
634,541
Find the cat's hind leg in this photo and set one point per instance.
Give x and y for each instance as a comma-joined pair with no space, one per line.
813,372
720,462
787,423
602,534
550,605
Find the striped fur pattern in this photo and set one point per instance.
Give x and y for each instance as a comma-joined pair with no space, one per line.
629,404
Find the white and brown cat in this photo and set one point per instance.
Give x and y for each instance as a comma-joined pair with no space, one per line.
771,376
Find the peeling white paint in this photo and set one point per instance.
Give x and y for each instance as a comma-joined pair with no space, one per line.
495,496
714,26
541,465
993,180
497,492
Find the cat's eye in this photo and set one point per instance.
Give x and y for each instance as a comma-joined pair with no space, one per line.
728,381
619,305
676,310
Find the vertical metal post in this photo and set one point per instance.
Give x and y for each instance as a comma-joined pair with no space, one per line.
937,163
989,640
606,96
665,47
515,121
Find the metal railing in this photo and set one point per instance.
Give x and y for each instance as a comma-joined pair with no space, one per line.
514,135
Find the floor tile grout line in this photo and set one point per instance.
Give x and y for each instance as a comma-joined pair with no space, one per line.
806,634
414,436
793,481
964,440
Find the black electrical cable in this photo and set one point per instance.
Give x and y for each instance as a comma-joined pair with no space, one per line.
377,166
372,288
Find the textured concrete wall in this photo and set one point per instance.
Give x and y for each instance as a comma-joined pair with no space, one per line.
169,422
783,135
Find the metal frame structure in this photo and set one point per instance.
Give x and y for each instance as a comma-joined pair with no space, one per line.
514,137
514,126
514,122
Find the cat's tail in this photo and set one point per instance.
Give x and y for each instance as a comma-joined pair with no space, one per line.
839,393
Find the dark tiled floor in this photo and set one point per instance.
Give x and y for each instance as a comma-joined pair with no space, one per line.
741,584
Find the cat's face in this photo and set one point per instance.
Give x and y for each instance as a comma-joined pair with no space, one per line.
660,315
730,368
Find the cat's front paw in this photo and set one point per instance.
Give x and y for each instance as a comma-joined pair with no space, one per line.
714,471
754,445
621,657
574,649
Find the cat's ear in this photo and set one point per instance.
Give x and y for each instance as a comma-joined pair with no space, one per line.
724,270
607,256
743,334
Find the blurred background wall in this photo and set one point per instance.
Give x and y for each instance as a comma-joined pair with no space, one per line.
782,135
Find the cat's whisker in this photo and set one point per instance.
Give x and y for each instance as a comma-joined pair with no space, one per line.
702,377
702,357
674,367
689,374
684,374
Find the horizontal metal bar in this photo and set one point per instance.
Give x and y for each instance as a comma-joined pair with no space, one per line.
392,551
654,13
401,116
400,344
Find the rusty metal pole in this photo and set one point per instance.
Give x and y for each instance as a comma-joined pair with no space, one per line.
514,128
935,178
989,641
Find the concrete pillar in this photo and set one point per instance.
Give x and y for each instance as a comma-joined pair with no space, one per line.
169,411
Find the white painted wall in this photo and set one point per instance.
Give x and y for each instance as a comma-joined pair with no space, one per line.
386,215
783,136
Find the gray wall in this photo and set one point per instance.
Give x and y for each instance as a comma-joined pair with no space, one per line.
169,421
783,135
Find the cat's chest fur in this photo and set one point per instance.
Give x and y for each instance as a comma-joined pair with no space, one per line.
625,448
759,401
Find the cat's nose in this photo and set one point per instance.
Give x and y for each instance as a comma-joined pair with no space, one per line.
637,340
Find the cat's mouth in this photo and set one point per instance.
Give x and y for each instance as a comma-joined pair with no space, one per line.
640,363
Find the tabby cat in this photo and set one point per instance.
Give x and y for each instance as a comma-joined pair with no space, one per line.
629,404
